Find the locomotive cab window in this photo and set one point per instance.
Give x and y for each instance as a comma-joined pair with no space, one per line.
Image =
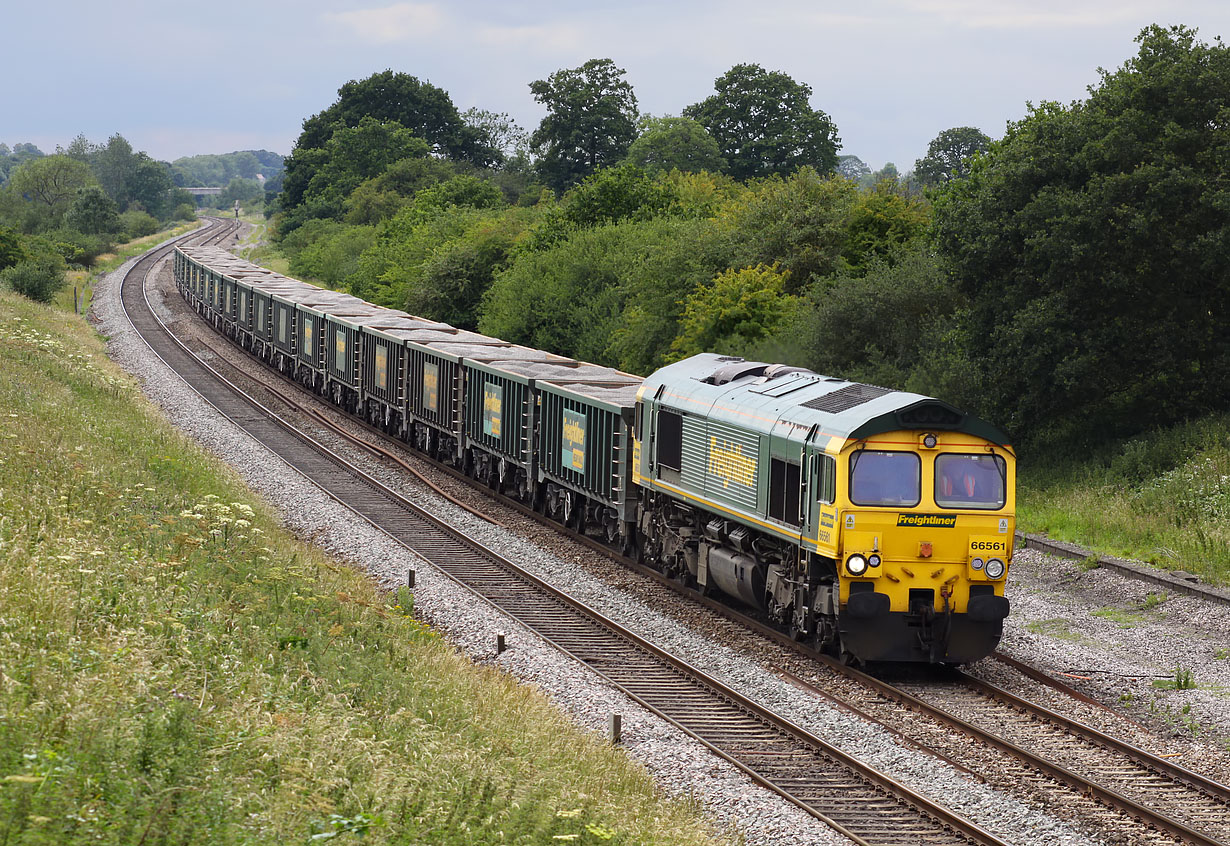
826,488
885,478
970,481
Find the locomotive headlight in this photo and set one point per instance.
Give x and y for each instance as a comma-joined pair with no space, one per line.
976,564
873,560
856,565
995,569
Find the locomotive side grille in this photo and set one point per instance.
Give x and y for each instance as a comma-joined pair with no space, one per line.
846,398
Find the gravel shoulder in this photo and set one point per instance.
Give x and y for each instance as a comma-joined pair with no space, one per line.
1060,622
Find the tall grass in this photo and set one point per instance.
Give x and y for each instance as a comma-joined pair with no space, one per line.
1162,497
173,669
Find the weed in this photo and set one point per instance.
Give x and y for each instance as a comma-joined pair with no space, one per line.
1126,619
1153,600
1057,628
1089,562
1183,679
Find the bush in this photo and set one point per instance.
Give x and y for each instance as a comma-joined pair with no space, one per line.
138,224
77,247
184,211
39,279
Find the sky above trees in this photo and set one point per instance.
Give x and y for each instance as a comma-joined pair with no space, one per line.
891,74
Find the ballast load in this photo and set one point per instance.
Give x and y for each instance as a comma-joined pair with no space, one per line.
871,523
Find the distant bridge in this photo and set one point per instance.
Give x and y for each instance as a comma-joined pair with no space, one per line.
201,192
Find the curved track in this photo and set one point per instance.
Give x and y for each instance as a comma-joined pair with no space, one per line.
865,805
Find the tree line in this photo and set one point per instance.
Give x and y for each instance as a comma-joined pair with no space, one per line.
1068,281
69,207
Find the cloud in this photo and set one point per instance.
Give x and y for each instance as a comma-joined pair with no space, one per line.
561,38
978,14
391,24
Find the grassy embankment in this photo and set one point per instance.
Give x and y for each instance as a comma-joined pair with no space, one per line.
175,669
1163,498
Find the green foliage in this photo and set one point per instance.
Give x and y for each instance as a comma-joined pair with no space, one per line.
387,99
883,221
77,247
739,309
381,197
610,195
888,326
590,122
51,181
217,171
949,155
390,97
452,281
332,256
12,250
350,156
675,143
801,221
852,167
764,124
389,272
1093,244
1162,496
93,212
137,224
184,211
610,294
39,279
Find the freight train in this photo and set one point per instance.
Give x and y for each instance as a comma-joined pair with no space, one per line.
873,524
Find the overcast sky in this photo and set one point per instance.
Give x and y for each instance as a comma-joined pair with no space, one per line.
179,78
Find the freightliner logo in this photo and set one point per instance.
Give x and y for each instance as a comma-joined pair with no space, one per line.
928,521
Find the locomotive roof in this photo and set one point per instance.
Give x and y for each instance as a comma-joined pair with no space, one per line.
789,401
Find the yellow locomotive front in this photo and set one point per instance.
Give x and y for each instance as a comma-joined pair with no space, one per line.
924,540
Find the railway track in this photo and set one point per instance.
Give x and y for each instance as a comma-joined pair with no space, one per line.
1159,794
866,805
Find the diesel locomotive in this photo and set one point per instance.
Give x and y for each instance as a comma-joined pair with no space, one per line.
873,524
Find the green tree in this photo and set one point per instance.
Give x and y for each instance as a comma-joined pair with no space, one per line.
1093,243
852,167
350,156
52,181
883,221
114,165
801,221
949,155
498,131
387,98
135,223
675,143
12,251
39,279
149,186
610,195
738,310
764,124
890,325
93,212
591,120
